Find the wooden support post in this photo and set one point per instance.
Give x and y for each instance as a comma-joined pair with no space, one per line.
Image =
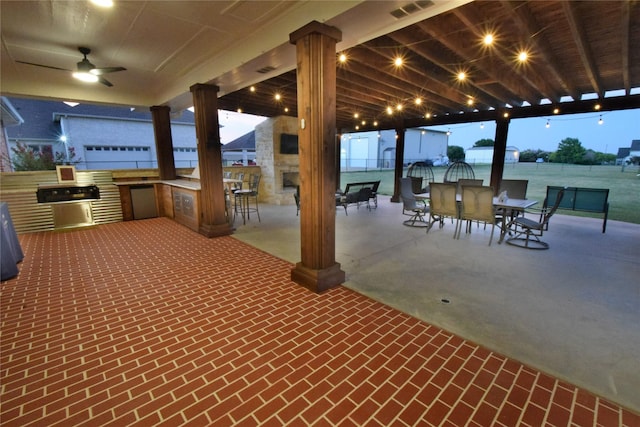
164,142
399,166
499,151
213,220
316,77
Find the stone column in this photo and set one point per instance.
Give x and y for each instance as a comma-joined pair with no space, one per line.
164,141
213,219
316,76
499,150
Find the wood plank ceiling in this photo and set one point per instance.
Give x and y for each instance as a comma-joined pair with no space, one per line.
577,51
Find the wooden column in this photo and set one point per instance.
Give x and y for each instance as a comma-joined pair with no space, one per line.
213,220
499,151
316,77
164,142
399,166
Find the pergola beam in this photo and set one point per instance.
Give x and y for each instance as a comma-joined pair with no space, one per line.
579,37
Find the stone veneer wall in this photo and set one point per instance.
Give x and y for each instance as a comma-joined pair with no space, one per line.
272,163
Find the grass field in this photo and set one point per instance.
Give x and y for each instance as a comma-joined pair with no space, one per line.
624,186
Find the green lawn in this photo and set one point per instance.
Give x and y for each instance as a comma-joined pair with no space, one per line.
624,187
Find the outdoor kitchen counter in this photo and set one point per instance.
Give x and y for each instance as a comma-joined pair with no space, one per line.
177,199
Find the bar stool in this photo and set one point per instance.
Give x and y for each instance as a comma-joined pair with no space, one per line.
243,199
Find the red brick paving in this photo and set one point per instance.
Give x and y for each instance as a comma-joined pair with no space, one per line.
147,323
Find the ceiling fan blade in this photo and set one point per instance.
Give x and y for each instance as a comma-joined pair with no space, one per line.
105,81
105,70
43,66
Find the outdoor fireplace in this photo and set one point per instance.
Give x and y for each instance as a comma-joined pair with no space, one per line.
290,180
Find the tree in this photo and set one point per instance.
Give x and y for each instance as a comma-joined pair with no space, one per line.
570,150
455,153
533,155
605,158
26,159
486,142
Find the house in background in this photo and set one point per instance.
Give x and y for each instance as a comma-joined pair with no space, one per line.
8,117
101,137
625,154
377,149
484,155
241,150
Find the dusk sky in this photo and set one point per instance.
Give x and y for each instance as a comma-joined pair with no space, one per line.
618,129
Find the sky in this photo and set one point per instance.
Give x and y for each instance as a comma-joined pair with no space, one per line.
617,130
234,125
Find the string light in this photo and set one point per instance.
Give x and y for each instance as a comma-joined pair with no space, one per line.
481,125
488,39
523,56
342,58
548,125
448,132
600,121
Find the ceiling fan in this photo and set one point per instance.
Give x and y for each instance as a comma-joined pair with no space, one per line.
85,71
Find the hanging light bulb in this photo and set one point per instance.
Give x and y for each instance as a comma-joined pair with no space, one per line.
481,125
600,121
448,132
548,124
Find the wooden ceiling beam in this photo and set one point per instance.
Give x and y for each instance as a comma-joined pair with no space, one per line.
580,39
376,65
574,107
520,75
436,73
624,51
395,88
514,94
520,13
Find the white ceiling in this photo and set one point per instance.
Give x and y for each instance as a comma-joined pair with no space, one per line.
167,46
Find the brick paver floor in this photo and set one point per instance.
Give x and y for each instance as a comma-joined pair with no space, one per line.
148,323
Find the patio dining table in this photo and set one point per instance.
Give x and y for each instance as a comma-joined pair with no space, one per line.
510,206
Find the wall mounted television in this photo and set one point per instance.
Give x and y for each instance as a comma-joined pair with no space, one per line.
288,144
